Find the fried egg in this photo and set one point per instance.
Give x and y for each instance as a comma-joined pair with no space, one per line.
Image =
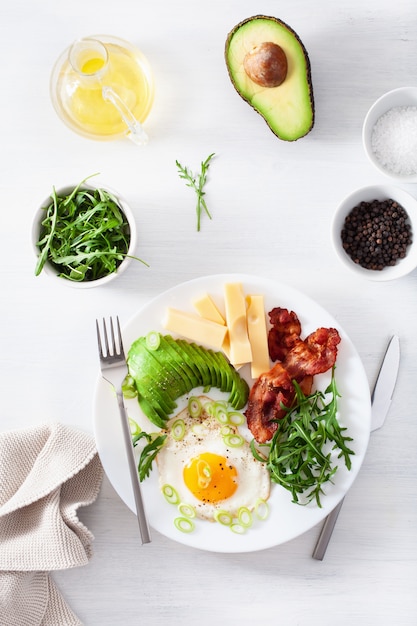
211,467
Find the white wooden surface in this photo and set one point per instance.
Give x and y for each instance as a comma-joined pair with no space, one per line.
272,204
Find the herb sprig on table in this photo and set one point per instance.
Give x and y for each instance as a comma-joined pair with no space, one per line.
84,235
300,452
197,182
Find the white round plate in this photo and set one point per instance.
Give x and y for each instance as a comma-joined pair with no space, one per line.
286,519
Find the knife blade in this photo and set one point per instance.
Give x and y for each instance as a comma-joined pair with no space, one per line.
381,399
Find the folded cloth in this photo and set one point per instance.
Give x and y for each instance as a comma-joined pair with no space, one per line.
47,472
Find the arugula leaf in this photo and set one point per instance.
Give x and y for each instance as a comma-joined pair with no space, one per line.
149,452
298,455
197,182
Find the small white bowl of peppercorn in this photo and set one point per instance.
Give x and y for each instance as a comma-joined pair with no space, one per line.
373,232
389,134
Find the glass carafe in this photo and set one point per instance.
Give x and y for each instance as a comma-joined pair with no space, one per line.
102,88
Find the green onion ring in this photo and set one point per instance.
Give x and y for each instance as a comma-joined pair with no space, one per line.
245,517
170,494
209,407
186,510
239,529
194,406
184,524
261,509
220,413
223,517
233,440
236,418
178,429
153,339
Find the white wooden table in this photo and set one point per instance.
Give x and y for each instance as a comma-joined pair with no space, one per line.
272,203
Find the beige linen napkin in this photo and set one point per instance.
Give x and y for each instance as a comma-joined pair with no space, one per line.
46,473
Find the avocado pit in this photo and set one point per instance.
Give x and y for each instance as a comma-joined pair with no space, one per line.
266,64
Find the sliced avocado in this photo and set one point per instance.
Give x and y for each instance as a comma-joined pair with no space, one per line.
167,357
151,413
270,69
224,371
157,389
199,357
164,374
183,358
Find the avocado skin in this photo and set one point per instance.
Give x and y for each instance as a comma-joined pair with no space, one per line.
176,367
307,72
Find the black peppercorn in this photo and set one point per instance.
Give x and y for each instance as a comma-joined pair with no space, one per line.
376,234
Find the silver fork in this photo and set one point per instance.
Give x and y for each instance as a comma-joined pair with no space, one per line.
114,369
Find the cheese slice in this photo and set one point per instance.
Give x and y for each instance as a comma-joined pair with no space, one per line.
258,335
207,309
196,328
235,305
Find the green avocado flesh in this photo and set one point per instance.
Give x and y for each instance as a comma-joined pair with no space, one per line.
160,376
288,109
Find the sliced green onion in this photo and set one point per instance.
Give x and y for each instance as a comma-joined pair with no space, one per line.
233,440
226,430
236,418
203,474
199,430
223,517
186,510
153,339
134,427
129,388
220,413
184,524
209,407
178,430
170,494
238,528
245,517
261,509
194,406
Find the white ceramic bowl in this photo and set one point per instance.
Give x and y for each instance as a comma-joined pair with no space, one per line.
367,194
401,97
52,272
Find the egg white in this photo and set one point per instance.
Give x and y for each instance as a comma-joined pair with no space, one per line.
201,435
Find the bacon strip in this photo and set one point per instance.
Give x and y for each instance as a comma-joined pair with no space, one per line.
285,331
300,360
315,355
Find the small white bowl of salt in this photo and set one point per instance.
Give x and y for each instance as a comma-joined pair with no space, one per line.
389,134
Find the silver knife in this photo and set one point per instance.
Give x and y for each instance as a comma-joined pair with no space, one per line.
381,401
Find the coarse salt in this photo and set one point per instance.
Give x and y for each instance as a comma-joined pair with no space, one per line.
394,140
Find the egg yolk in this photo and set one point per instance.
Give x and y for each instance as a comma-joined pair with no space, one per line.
210,477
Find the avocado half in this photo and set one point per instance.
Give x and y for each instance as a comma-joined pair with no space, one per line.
287,103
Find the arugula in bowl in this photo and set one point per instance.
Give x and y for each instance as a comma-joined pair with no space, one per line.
84,234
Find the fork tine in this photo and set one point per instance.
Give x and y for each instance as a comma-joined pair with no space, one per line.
100,347
119,336
112,338
106,339
116,347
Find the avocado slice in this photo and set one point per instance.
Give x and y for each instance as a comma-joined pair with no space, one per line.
270,69
178,362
